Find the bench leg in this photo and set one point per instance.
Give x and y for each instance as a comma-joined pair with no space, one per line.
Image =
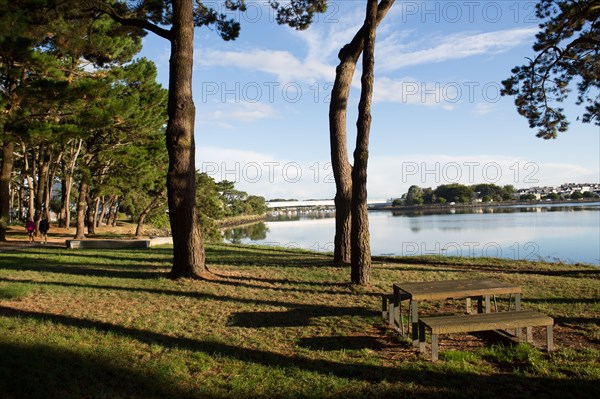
384,308
549,338
434,347
488,306
518,308
421,338
479,304
468,305
529,334
396,316
414,309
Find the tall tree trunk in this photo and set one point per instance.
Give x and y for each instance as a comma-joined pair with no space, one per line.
5,173
90,221
188,248
102,212
30,173
361,246
68,169
96,212
54,165
145,212
110,213
63,192
342,170
44,167
21,211
22,201
81,205
115,212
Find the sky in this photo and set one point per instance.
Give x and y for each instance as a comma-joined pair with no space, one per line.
438,117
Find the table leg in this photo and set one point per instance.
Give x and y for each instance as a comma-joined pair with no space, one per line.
421,338
414,309
434,347
468,305
529,334
518,308
549,338
395,321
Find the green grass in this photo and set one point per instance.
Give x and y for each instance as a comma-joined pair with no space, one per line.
271,323
13,291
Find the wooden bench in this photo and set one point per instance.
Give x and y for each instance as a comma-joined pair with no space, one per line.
387,308
483,322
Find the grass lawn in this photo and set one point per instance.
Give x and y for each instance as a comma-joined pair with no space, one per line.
272,323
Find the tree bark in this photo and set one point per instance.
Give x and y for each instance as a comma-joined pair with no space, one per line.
31,182
110,214
5,173
102,212
63,193
91,214
68,170
342,170
22,201
45,154
361,246
81,205
188,248
115,213
145,212
54,165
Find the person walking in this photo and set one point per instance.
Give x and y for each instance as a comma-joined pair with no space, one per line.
30,227
44,227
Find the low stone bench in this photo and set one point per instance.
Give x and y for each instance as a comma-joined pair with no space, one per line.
483,322
107,244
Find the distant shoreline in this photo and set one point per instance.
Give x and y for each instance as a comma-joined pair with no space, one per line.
478,205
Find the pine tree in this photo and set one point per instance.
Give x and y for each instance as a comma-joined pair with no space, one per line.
568,47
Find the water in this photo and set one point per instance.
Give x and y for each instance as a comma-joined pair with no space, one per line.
556,233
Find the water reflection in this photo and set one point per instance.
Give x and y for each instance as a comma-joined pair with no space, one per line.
500,209
253,232
310,214
568,233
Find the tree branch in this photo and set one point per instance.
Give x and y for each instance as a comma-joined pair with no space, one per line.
107,9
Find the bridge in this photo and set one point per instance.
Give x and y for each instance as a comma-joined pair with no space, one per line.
321,204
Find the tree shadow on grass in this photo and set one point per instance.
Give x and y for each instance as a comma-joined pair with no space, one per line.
40,371
495,265
298,316
239,283
236,256
433,382
338,343
285,281
17,263
153,255
315,310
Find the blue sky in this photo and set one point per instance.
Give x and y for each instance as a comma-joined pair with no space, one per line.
262,101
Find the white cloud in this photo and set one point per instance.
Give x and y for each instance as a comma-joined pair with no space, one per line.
401,49
267,175
484,108
283,64
408,91
388,177
239,112
392,176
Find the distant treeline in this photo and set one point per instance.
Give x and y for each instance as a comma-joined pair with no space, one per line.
462,194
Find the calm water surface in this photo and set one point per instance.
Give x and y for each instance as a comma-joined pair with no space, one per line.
562,233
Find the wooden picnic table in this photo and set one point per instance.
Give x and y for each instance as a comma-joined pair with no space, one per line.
450,289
